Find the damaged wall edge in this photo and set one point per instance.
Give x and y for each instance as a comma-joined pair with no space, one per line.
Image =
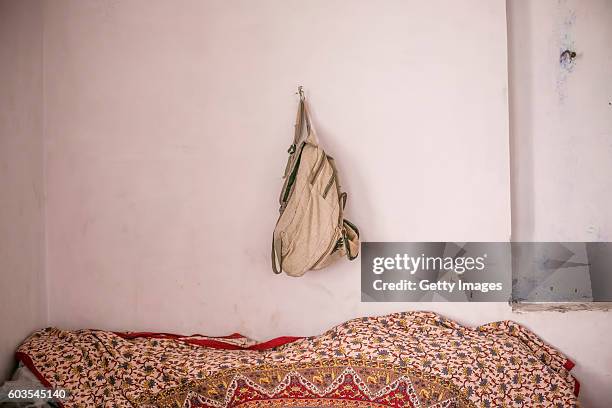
562,307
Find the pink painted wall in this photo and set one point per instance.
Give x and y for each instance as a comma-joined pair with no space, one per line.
167,129
23,306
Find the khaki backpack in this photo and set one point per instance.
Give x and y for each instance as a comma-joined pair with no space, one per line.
311,231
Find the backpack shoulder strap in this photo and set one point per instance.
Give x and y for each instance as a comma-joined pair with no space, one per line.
276,254
300,138
303,120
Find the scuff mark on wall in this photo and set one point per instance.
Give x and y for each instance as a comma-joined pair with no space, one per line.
567,59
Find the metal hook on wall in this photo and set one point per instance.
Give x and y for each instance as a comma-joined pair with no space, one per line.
301,92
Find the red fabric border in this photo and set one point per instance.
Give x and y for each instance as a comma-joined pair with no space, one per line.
211,342
576,387
133,335
569,364
27,361
277,342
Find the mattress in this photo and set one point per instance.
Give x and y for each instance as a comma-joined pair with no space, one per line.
413,359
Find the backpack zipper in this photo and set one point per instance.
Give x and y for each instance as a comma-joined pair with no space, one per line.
291,178
329,184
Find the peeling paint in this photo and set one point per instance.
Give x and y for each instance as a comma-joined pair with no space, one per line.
560,307
566,43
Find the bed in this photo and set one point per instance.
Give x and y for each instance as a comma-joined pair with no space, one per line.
413,359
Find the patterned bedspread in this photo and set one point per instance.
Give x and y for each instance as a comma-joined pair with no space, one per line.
414,359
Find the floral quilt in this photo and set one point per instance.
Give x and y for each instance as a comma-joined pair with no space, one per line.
413,359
